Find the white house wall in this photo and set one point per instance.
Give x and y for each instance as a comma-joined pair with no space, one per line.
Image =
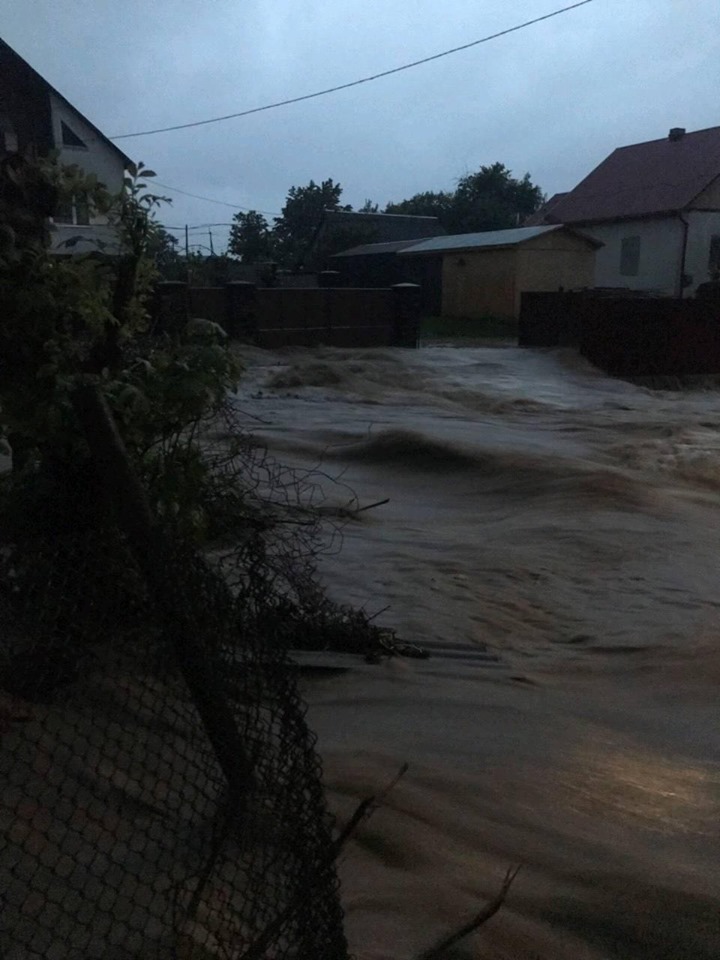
661,243
97,157
703,225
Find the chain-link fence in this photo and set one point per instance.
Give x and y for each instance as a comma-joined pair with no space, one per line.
161,796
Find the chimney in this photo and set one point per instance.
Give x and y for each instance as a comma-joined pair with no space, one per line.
676,133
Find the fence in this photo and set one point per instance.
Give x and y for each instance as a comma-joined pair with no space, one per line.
276,317
161,797
627,336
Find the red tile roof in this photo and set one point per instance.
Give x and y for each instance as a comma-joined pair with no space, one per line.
660,176
541,216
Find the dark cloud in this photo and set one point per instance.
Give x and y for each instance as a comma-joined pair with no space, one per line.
552,100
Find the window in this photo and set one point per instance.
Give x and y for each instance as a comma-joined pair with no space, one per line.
630,256
70,138
714,258
74,210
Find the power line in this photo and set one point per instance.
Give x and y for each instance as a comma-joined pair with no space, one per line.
197,226
223,203
354,83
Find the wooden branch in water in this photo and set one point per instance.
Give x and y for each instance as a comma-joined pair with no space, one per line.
364,809
436,951
371,506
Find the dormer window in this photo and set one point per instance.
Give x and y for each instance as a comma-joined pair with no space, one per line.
70,138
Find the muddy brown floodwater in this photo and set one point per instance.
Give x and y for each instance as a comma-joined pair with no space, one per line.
566,524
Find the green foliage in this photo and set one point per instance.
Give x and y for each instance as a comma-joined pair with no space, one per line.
426,204
250,237
491,199
164,253
66,319
301,216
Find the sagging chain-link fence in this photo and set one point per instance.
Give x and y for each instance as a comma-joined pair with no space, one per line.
161,796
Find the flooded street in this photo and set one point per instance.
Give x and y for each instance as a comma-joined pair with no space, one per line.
565,526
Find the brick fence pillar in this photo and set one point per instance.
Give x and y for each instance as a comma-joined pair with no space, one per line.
407,309
242,318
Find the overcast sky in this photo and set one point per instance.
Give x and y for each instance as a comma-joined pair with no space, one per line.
553,99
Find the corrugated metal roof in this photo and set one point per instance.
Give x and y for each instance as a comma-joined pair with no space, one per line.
387,227
366,249
476,241
659,176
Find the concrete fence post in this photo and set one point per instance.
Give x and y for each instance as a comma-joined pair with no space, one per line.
242,315
407,304
170,307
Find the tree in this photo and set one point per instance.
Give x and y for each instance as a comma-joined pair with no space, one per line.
491,199
369,207
163,250
426,204
250,237
301,216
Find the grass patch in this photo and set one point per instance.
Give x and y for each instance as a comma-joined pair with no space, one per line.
488,327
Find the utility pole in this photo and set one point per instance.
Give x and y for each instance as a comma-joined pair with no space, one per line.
212,251
187,244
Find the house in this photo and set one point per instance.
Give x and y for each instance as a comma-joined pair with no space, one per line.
342,229
656,208
487,273
35,120
378,265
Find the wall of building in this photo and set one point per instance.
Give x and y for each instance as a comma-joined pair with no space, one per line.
25,121
478,283
709,199
661,242
552,261
702,227
96,157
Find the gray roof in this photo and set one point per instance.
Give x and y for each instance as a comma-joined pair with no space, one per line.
367,249
488,238
386,227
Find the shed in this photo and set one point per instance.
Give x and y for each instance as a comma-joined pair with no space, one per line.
342,229
377,265
487,273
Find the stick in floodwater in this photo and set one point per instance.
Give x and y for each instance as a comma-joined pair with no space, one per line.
371,506
472,925
364,809
379,613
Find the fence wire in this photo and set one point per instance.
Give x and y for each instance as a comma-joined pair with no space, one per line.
119,834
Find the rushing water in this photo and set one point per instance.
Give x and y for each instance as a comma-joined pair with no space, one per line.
568,524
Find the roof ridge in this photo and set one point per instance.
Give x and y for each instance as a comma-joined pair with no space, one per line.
642,143
100,135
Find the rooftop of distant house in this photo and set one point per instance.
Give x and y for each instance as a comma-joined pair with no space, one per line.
641,180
